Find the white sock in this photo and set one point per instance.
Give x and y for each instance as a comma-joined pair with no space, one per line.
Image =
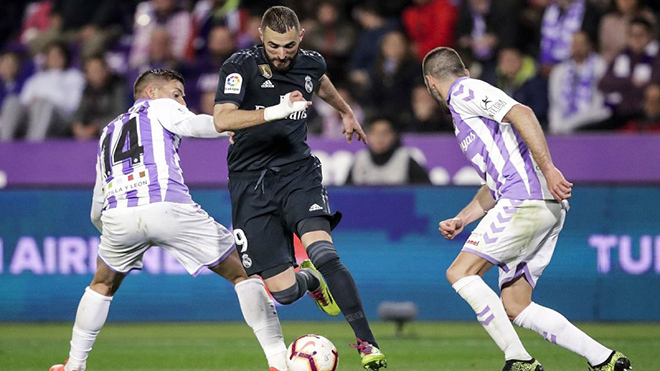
260,314
490,313
92,313
555,328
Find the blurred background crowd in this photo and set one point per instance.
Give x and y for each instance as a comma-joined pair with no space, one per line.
67,66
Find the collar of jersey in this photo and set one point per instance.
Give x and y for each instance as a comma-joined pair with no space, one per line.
453,84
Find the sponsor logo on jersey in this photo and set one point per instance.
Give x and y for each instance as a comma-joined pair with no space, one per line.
233,83
315,207
265,71
125,183
485,102
495,108
267,85
309,86
466,142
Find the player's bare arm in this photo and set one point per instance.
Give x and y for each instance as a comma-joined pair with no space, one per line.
227,116
525,121
477,208
329,94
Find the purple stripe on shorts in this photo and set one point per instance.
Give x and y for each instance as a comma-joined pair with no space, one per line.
116,271
486,257
216,262
520,269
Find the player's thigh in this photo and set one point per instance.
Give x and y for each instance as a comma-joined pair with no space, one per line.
262,238
230,268
281,281
467,264
307,197
123,241
191,236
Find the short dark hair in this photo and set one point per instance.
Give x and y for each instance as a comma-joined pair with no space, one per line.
148,77
443,62
63,47
280,19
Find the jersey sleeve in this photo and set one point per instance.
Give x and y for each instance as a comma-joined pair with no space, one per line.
177,119
232,83
320,67
482,99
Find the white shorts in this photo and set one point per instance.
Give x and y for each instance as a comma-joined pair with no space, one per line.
519,236
185,231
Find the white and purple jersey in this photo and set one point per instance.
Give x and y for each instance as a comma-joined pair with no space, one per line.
494,148
138,160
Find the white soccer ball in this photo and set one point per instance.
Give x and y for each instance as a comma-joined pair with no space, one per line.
312,353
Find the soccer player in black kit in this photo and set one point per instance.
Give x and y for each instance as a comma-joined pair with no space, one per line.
275,182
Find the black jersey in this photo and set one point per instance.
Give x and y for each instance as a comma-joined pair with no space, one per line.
248,80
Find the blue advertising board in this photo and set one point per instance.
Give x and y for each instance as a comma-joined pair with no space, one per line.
606,265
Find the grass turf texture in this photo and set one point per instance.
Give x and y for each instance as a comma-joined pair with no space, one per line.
426,346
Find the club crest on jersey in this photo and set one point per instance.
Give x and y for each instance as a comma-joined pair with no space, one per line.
309,86
265,71
247,262
233,83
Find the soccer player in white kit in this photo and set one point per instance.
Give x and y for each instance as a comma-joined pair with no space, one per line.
523,202
140,200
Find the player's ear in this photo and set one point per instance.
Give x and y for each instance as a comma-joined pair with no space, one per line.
302,33
150,92
467,72
261,35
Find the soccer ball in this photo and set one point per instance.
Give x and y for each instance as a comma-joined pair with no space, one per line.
312,353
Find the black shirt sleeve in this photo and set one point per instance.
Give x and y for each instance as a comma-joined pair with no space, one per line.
232,84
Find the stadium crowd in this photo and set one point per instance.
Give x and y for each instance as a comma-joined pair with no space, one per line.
582,65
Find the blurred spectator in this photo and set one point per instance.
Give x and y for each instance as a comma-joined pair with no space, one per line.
518,76
328,122
529,30
250,35
561,20
395,74
575,100
331,36
160,55
614,24
202,80
208,14
374,27
386,161
103,99
92,24
48,98
437,15
428,116
485,26
630,73
650,121
11,81
159,14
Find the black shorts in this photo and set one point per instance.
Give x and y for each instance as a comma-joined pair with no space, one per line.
266,207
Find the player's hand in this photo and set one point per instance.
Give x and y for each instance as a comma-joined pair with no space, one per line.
559,187
292,102
451,228
352,126
296,96
231,137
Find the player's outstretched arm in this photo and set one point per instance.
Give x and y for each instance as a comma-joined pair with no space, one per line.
329,94
227,116
525,121
477,208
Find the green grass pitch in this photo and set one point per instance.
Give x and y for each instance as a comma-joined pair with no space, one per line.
424,346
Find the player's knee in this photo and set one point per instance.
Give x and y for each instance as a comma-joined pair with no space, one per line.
454,274
323,253
513,307
105,288
287,296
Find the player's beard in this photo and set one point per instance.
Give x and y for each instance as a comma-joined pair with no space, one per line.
284,65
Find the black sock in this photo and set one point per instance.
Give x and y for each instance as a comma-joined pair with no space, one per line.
343,288
303,282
